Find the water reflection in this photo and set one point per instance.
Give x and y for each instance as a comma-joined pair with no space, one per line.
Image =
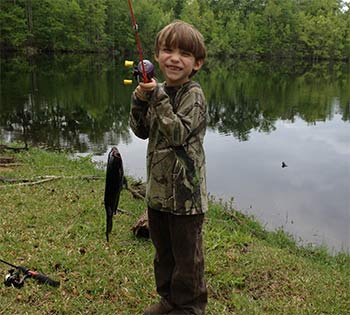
309,198
260,115
64,102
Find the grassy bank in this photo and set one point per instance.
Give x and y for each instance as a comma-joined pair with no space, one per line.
57,226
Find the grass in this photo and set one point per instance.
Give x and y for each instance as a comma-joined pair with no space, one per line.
57,227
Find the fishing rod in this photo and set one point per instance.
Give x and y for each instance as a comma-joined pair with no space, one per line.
14,279
145,68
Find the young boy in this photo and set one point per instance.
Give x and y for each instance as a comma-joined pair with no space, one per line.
172,115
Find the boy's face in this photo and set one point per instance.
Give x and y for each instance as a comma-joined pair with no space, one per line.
176,65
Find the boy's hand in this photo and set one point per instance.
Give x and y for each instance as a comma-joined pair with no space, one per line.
143,90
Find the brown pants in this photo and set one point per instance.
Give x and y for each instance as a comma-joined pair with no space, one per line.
179,261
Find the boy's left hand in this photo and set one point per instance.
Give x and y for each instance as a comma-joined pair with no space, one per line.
143,90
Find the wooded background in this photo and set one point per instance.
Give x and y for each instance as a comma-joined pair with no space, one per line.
312,29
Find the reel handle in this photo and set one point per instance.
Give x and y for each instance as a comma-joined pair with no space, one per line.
138,70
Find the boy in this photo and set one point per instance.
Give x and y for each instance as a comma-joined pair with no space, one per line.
172,115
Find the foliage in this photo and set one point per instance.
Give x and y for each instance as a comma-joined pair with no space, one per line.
311,29
57,227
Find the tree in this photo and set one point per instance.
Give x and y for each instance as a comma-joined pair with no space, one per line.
150,18
94,17
118,26
280,19
13,28
254,28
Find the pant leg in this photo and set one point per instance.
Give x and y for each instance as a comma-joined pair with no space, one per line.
163,261
188,288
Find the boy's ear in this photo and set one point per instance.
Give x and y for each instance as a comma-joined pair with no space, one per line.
198,64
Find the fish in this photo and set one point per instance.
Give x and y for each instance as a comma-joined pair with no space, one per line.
115,181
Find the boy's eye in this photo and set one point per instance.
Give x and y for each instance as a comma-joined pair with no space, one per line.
167,50
186,53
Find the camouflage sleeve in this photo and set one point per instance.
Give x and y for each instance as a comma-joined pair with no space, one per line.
139,122
177,125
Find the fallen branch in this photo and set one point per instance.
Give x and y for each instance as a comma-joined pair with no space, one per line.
42,179
28,182
135,193
13,180
126,212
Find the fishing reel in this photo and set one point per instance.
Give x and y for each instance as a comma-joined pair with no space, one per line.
138,71
13,279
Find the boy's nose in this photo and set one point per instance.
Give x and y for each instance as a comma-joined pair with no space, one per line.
175,56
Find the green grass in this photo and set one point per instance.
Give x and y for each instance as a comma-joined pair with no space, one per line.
58,228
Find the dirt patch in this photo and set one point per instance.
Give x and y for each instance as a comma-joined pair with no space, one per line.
7,164
6,160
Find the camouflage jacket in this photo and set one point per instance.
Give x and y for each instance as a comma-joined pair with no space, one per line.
174,121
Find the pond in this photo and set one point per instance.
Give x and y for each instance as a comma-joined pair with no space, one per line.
260,116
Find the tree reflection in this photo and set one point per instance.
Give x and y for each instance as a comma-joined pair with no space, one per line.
78,102
246,96
73,102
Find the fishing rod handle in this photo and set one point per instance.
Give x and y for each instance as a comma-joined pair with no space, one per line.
39,276
43,279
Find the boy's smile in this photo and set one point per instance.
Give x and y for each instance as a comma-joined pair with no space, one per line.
177,65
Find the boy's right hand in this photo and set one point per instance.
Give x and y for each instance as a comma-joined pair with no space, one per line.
144,90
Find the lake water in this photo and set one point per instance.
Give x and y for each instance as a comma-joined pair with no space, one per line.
261,114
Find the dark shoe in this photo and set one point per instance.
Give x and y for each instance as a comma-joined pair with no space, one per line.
160,308
177,311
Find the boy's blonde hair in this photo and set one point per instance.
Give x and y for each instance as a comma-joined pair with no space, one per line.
182,35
